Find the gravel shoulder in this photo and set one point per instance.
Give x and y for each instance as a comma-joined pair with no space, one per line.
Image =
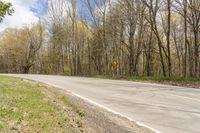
97,120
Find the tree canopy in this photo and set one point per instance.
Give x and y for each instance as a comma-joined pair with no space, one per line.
5,9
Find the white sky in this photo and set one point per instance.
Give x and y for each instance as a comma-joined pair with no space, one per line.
22,15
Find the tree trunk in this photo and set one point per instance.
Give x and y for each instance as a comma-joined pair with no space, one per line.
168,37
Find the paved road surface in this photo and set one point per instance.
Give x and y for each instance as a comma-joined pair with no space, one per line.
167,109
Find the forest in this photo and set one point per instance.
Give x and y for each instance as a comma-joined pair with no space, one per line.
144,37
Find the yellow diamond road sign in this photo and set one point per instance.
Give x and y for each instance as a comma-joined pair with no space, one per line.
114,63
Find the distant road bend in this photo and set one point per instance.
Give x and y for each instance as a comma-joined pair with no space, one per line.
167,109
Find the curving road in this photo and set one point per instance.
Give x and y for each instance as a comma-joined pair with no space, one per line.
167,109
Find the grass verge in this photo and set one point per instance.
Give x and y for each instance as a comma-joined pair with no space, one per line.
24,107
74,107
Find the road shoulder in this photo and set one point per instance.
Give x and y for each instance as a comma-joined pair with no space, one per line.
100,119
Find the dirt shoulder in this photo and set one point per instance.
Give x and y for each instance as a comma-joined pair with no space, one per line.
174,81
188,84
97,120
181,84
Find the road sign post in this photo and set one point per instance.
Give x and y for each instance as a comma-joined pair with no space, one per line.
114,65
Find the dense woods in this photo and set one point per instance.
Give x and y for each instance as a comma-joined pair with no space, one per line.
145,37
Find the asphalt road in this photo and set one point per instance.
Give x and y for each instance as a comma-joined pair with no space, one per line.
167,109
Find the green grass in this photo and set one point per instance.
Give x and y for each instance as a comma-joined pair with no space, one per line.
74,107
24,108
1,126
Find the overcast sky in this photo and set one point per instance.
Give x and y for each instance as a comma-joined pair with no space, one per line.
24,14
